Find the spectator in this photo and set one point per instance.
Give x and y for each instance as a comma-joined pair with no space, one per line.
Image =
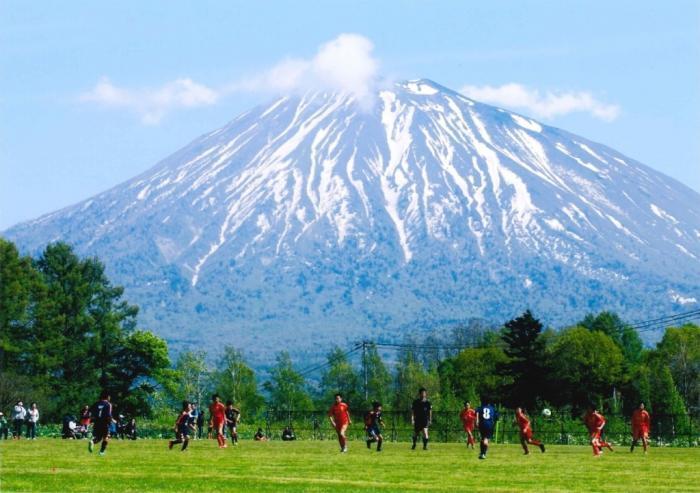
84,420
130,429
288,435
68,428
260,436
32,421
19,413
200,423
4,427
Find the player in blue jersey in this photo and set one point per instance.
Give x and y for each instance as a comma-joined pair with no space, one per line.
486,417
101,414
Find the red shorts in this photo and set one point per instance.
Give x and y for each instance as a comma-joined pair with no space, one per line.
526,433
469,428
595,434
218,423
341,426
639,433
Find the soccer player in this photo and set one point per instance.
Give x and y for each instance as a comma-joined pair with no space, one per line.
218,419
641,422
421,418
101,413
233,416
595,422
468,418
373,422
183,425
339,416
486,417
526,431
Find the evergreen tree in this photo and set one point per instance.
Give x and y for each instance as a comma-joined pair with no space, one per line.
20,287
525,351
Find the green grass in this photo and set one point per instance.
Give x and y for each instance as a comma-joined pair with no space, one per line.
147,465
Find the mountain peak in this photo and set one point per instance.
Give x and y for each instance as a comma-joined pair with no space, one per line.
308,214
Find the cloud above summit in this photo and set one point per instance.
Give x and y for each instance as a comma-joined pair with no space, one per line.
346,64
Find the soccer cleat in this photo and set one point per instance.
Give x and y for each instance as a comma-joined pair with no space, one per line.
91,446
482,456
542,447
102,453
170,445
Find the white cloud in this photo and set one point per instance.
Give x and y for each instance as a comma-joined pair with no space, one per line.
154,103
344,64
542,105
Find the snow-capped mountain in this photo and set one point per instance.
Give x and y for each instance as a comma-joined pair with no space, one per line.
312,219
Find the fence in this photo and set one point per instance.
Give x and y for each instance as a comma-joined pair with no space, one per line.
560,428
677,430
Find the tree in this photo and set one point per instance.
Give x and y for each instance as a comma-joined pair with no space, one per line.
20,286
286,387
584,366
475,375
235,380
340,377
134,369
525,351
410,376
190,378
378,377
680,350
624,335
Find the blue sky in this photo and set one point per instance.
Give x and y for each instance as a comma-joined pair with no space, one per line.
93,93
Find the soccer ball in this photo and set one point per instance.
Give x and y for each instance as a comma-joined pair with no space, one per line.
546,412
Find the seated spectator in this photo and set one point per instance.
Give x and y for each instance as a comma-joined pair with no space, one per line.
260,436
4,427
69,427
130,429
288,435
85,416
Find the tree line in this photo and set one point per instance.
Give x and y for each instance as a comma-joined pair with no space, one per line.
66,333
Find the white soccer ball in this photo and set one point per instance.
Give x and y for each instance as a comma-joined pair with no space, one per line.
546,412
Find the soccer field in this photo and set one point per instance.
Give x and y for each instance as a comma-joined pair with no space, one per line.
147,465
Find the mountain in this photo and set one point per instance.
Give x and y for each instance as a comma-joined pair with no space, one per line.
314,220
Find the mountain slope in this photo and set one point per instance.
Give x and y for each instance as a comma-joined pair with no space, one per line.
312,218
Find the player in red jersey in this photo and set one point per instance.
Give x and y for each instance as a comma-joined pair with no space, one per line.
218,418
339,416
595,422
468,418
641,422
526,431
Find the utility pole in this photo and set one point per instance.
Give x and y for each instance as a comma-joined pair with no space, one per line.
364,368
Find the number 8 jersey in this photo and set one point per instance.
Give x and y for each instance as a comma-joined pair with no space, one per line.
487,416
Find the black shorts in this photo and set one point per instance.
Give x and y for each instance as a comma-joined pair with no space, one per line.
486,432
100,431
419,425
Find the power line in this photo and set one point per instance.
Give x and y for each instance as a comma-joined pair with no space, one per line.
330,361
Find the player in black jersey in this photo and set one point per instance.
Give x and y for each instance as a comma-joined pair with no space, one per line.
233,416
373,422
421,418
183,425
101,414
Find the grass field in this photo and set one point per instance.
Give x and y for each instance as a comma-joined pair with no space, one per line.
147,465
